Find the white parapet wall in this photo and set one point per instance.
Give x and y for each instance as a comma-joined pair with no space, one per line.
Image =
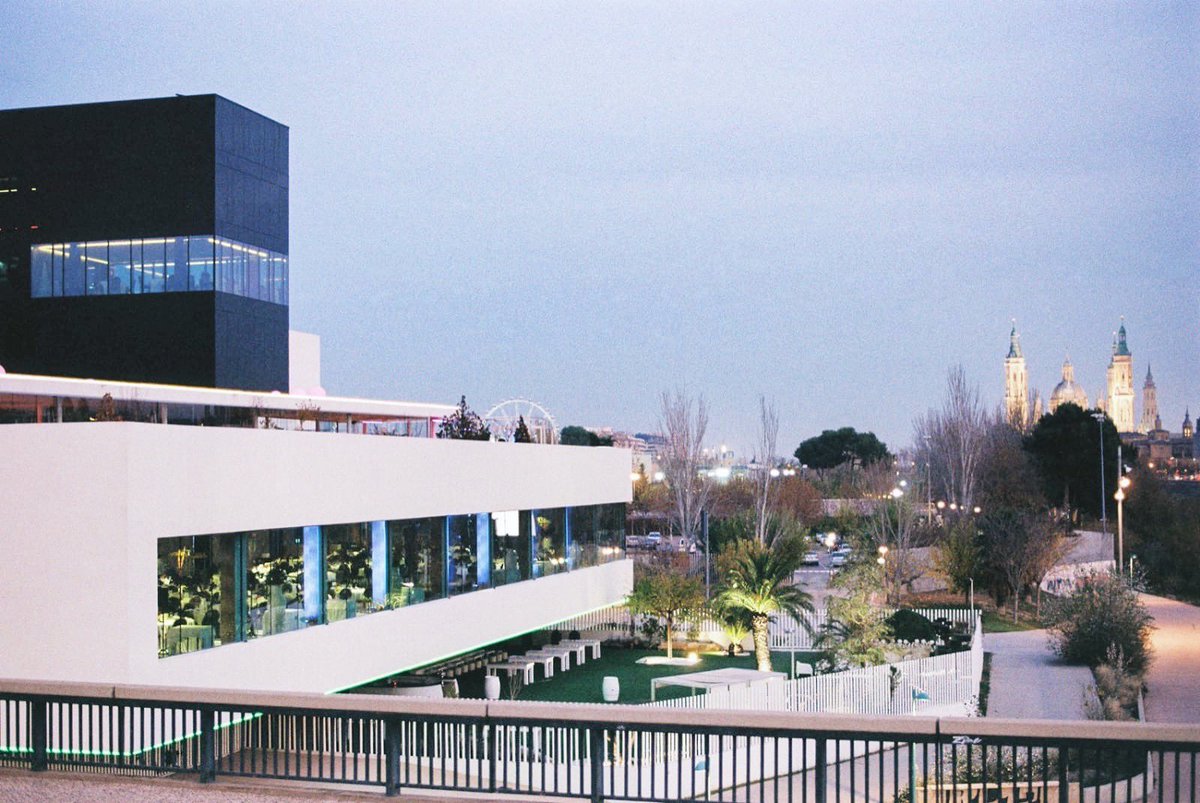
83,505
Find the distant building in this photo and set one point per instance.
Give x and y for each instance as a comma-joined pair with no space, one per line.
1016,383
1149,404
1120,384
1068,391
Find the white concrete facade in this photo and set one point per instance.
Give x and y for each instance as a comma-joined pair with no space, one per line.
82,507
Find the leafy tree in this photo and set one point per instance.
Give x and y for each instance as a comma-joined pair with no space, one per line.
800,500
856,633
578,436
1065,446
959,556
759,581
521,435
1164,531
464,425
833,447
1104,616
665,594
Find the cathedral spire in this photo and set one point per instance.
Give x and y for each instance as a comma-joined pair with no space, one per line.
1014,341
1149,377
1121,348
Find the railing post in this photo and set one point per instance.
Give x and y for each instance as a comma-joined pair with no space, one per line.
391,755
208,746
596,762
821,777
1064,791
39,721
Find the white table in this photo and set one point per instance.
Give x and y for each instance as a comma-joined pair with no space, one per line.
547,662
513,665
563,654
592,643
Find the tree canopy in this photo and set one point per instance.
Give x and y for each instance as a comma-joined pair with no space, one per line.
464,424
578,436
833,447
665,594
1065,446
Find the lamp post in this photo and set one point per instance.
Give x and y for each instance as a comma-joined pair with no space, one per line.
1099,416
1122,484
882,561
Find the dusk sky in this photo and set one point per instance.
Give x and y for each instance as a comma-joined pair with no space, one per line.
587,203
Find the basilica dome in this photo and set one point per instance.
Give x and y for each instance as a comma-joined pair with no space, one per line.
1068,391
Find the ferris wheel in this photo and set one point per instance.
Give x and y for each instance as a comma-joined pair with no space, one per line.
503,419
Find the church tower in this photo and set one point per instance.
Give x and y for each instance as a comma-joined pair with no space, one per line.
1187,424
1120,384
1016,383
1149,403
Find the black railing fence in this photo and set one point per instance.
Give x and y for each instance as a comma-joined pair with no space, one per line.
588,752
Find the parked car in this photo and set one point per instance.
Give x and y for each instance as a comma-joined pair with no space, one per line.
633,542
811,558
839,558
653,540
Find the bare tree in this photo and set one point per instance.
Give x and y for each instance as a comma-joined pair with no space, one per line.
894,528
951,440
764,493
683,422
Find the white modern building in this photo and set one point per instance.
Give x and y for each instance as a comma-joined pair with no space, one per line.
208,540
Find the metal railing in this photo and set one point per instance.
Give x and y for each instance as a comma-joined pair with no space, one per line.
588,751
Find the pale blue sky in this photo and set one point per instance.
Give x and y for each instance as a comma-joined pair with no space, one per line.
585,203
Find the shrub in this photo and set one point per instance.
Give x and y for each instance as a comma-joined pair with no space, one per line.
911,626
1101,616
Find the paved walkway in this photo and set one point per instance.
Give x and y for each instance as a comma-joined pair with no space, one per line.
1173,681
1029,681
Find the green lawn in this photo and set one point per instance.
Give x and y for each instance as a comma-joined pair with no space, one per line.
582,684
1001,622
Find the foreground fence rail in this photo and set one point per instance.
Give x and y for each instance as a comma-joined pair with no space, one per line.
588,752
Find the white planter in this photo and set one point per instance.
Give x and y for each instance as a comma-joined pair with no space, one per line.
491,687
611,688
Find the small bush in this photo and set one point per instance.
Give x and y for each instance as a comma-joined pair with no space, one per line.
911,626
1101,617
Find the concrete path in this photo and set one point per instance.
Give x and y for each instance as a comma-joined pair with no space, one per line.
1173,681
1029,681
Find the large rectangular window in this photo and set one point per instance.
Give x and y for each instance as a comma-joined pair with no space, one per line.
417,564
550,541
197,601
275,581
347,570
197,263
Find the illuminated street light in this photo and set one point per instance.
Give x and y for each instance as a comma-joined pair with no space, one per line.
897,493
978,509
941,505
1122,484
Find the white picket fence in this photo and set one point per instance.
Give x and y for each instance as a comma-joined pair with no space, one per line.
943,685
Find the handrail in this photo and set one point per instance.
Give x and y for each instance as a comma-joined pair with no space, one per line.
761,722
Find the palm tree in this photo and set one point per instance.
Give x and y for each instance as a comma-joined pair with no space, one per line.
759,582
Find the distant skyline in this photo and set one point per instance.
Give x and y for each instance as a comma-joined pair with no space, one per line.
585,204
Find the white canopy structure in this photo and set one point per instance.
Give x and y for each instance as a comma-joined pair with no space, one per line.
715,679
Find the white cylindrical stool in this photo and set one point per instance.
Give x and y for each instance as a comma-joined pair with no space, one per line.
491,687
611,688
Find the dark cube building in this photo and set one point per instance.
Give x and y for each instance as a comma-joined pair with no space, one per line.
145,241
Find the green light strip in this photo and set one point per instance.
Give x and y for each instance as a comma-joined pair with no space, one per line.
448,656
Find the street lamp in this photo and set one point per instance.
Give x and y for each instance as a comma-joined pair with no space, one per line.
1099,416
1122,484
882,561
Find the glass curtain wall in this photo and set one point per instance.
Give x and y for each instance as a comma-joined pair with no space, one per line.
275,581
216,589
156,265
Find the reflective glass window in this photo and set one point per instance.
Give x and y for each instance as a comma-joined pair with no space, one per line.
73,270
176,267
120,262
509,552
347,570
462,554
154,264
550,556
200,263
41,266
96,265
275,581
417,563
196,592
